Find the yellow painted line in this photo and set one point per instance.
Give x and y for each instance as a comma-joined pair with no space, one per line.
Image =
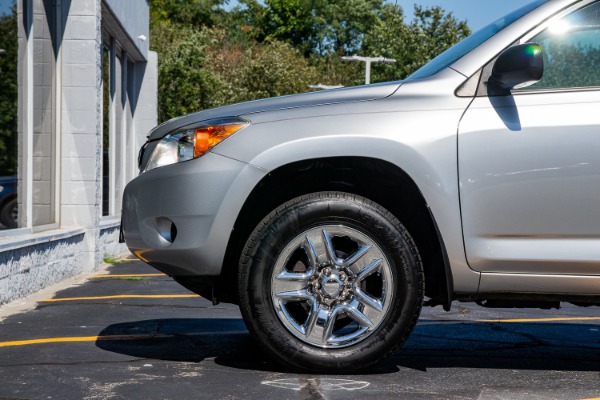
124,275
124,296
79,339
523,320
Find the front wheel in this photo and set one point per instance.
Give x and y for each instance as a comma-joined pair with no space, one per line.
330,282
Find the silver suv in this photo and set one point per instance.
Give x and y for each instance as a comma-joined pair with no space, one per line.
332,217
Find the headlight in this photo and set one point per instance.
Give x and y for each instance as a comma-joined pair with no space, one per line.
192,141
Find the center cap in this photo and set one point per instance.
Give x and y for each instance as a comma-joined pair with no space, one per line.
332,286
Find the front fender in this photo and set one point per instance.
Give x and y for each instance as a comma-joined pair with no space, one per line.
421,143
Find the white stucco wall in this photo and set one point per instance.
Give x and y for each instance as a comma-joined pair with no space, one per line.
81,238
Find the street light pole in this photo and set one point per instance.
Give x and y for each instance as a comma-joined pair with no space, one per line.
325,87
368,61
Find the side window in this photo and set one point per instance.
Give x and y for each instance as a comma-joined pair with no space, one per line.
571,49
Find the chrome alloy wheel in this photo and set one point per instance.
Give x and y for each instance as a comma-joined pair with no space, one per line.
332,286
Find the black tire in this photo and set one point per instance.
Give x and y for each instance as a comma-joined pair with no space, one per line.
354,334
8,214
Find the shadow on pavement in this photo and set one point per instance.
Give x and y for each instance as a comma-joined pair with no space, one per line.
433,345
181,339
193,340
515,346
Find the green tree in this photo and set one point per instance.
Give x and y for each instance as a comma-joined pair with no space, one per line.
332,70
314,26
8,93
200,69
196,13
430,33
344,23
437,30
290,21
274,69
569,65
185,81
254,50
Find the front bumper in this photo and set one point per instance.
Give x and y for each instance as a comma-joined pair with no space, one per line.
179,218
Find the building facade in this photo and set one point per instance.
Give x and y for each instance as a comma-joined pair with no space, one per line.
85,88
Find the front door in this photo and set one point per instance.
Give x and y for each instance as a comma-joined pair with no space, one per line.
529,163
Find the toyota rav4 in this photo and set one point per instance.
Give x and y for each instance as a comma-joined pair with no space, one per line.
331,218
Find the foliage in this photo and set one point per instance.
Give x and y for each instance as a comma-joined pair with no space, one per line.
199,70
287,20
332,70
267,70
431,32
112,260
8,94
437,30
185,81
196,13
569,65
344,24
130,278
314,26
210,57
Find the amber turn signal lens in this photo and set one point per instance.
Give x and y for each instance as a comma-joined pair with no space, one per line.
207,137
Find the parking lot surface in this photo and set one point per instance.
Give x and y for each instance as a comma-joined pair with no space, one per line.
132,333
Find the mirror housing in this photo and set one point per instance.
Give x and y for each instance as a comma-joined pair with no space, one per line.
517,67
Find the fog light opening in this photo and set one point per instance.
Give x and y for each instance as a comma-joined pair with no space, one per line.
166,229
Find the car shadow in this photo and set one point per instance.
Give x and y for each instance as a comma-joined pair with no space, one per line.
433,345
181,339
515,346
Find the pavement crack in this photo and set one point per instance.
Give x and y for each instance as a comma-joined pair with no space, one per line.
533,340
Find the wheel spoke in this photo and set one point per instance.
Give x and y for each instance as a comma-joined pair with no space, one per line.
367,300
367,271
316,249
329,246
363,297
360,253
290,282
364,324
354,313
319,326
321,321
296,295
311,321
311,251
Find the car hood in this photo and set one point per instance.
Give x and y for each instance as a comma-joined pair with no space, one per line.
313,99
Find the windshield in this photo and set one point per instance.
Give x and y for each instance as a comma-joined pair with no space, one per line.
457,51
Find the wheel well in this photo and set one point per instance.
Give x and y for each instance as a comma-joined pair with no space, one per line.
377,180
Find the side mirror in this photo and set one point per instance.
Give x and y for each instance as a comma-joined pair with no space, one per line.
517,67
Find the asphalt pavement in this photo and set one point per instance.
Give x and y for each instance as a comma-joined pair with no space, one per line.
133,333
